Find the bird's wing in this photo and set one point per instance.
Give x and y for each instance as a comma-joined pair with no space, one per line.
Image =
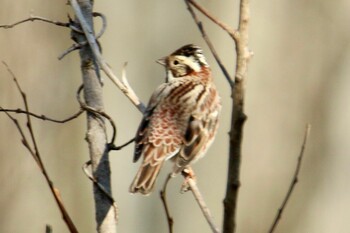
157,137
201,129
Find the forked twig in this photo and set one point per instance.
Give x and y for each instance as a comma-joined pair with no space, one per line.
294,180
104,66
210,45
81,44
162,193
232,32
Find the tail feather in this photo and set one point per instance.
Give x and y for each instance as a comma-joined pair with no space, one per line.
145,179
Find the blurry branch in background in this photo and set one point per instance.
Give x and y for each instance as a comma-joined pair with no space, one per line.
294,180
35,18
34,151
43,117
240,38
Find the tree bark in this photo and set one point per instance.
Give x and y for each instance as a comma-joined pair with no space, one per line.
238,119
105,214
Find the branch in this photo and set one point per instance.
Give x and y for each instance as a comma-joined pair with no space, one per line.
100,186
210,45
43,117
36,155
294,180
107,70
190,180
83,43
113,147
162,193
33,18
240,37
97,113
233,33
96,136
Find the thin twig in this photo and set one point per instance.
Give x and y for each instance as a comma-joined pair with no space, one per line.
35,18
43,117
210,45
24,139
95,49
162,193
189,179
81,44
99,113
70,49
114,147
36,155
232,32
294,180
100,186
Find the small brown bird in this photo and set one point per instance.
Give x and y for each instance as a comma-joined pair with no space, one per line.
181,118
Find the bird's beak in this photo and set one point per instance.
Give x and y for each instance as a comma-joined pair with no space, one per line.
162,61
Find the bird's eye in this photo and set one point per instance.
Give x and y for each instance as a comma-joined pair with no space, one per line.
176,62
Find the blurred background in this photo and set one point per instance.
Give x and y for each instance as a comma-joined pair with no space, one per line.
298,75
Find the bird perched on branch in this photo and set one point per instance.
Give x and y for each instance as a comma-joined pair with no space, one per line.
181,118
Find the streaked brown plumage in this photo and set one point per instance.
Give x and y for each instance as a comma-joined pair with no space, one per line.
181,119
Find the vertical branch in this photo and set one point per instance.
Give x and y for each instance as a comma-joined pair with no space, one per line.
240,37
237,120
105,213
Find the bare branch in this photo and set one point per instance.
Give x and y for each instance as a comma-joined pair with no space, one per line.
43,117
240,37
96,136
189,175
81,44
94,47
33,18
85,107
100,186
237,119
162,193
36,155
210,45
71,49
113,147
294,180
233,33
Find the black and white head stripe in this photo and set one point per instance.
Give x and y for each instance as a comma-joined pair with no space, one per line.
194,51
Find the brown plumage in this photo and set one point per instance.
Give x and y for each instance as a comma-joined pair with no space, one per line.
181,119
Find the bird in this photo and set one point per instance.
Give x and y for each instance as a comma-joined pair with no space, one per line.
181,118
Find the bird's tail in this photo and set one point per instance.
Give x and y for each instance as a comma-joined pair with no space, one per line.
145,178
